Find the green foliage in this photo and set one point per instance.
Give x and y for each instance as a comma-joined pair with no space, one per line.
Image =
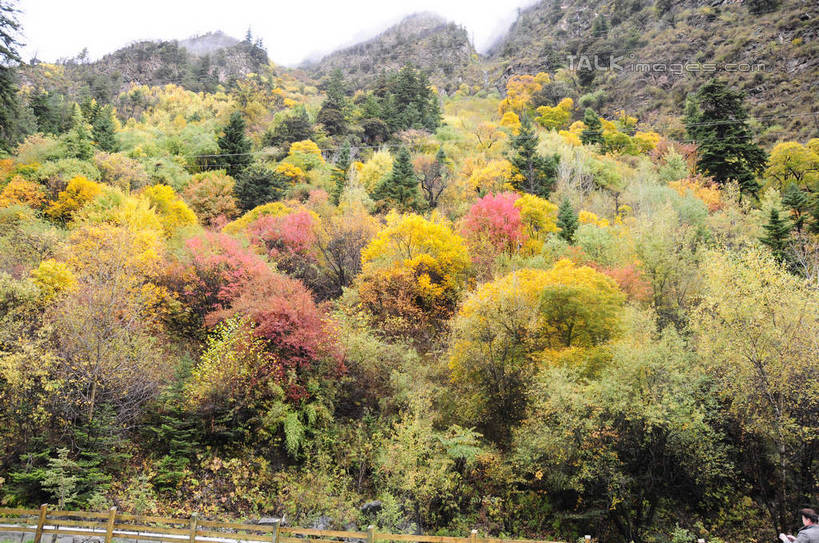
534,173
258,185
777,235
234,146
567,220
593,133
400,189
59,479
717,121
104,130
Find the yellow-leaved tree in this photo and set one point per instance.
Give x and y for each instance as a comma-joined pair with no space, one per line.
512,326
414,271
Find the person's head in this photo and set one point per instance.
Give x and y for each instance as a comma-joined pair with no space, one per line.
809,516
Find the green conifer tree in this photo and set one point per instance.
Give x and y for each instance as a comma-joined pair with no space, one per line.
77,141
234,147
777,235
400,188
593,133
257,185
717,121
798,203
104,130
567,220
535,173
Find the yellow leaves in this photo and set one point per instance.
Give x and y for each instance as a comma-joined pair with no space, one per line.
53,277
519,91
709,194
587,217
276,209
485,177
173,212
305,146
375,169
556,117
420,244
293,173
22,192
646,141
78,193
538,215
571,138
511,120
792,162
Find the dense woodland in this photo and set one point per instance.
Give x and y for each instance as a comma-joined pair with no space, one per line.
283,297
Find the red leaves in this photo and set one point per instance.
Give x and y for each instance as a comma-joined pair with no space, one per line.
495,220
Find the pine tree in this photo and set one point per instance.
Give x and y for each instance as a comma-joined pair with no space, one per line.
104,130
9,59
235,147
717,121
535,174
798,202
400,189
342,165
777,235
567,220
593,133
77,141
334,110
257,185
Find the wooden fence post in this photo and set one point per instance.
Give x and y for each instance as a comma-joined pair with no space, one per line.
109,528
38,534
370,534
473,536
276,531
194,525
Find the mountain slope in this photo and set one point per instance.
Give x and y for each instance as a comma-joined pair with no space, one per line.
429,42
767,49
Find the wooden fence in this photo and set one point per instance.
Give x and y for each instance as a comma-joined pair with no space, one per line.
106,526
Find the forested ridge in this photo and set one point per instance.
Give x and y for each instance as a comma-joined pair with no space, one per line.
274,295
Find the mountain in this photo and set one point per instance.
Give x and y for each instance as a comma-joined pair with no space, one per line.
209,43
198,63
440,48
766,48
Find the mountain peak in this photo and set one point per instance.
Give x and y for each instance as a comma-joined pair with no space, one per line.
208,43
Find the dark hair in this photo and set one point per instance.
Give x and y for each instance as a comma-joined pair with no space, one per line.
810,514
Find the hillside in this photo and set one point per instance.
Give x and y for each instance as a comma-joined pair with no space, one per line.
497,306
781,36
440,48
214,59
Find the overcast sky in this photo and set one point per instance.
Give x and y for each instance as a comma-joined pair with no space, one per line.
292,30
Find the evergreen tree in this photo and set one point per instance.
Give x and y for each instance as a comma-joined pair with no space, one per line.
342,165
257,185
173,432
777,235
717,121
798,203
77,141
9,59
535,173
294,127
593,133
235,147
567,220
400,189
104,130
334,110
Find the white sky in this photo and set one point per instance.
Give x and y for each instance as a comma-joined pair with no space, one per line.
292,30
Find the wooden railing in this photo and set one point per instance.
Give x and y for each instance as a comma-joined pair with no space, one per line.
113,524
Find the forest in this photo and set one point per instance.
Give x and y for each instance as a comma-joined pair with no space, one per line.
490,309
